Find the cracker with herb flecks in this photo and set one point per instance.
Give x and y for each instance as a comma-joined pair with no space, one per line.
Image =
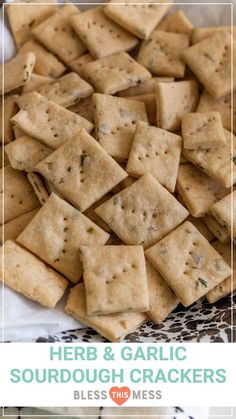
188,263
115,279
28,275
161,53
176,22
38,186
210,61
81,171
10,109
162,300
139,19
56,233
22,18
17,72
113,327
199,34
149,101
143,213
156,151
35,81
13,228
229,284
67,90
202,227
114,73
173,101
202,130
219,232
77,64
223,106
57,35
26,152
19,196
115,134
46,63
46,121
146,87
101,35
198,190
217,162
225,213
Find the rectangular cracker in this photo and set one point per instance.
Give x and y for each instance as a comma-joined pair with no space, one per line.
219,232
46,121
19,196
46,64
57,35
188,263
223,106
198,191
225,213
115,134
142,213
139,19
81,171
202,130
146,87
113,327
77,64
117,72
13,228
161,53
22,18
217,163
149,101
173,101
10,109
101,35
16,72
26,152
176,22
210,61
84,109
229,284
115,279
56,233
35,81
38,186
162,300
28,275
155,151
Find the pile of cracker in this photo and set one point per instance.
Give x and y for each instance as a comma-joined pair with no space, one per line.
119,166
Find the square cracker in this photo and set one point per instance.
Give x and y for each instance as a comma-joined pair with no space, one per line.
35,81
113,327
229,284
10,109
115,279
28,275
13,228
19,196
57,35
81,171
146,87
77,64
55,234
38,186
17,72
46,64
139,19
48,122
143,213
22,18
173,101
198,191
115,133
202,130
101,35
162,300
156,151
188,263
210,61
225,213
223,106
176,22
161,53
219,232
114,73
216,162
67,90
25,152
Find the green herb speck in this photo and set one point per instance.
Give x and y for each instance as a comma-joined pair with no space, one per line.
203,282
90,230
